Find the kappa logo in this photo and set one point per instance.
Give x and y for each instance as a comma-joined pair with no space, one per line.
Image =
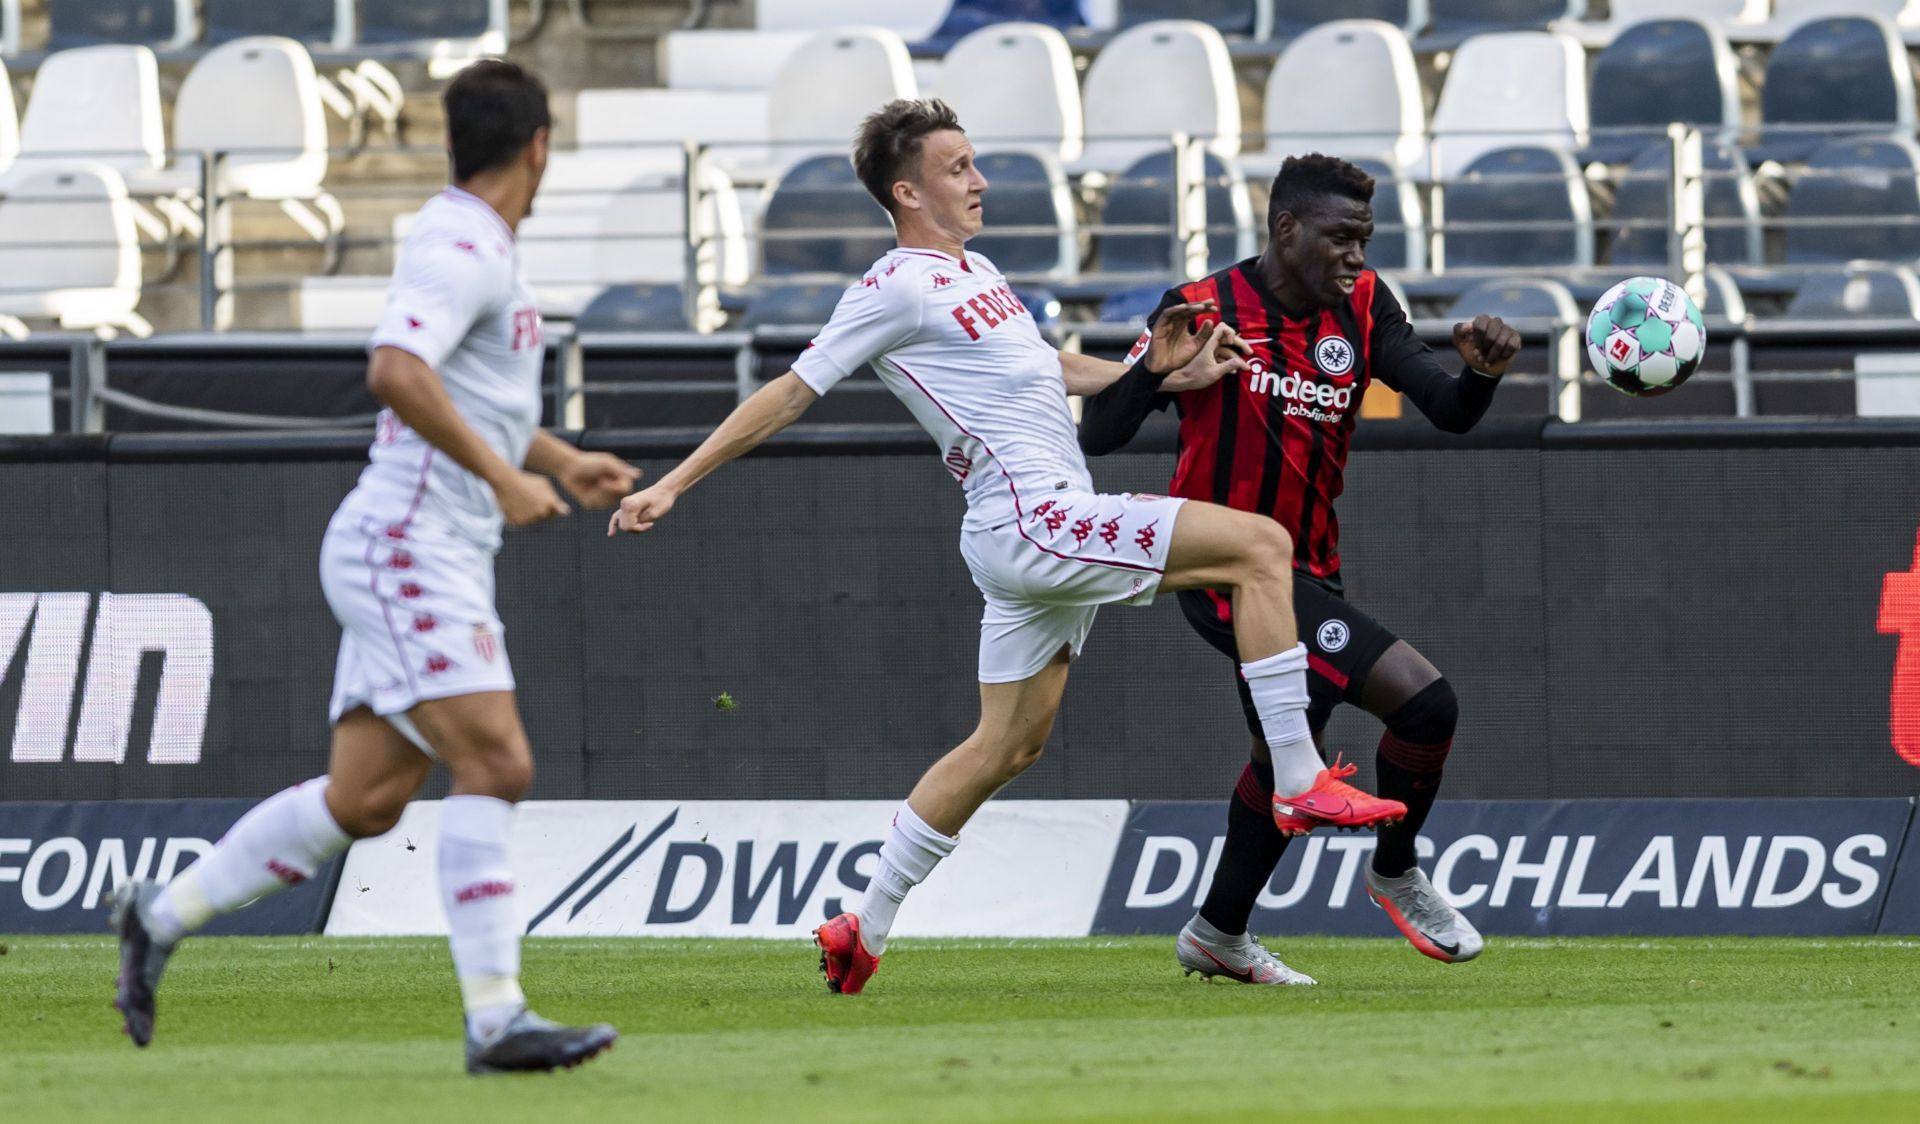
55,630
1333,636
1334,356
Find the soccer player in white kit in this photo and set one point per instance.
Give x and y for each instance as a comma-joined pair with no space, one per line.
407,567
951,340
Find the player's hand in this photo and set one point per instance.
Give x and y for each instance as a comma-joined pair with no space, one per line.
1487,344
1220,354
527,498
1175,339
598,480
641,510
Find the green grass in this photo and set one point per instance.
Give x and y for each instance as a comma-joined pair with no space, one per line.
367,1030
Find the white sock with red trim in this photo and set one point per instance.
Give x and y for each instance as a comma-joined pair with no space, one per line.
910,853
1278,685
282,841
483,927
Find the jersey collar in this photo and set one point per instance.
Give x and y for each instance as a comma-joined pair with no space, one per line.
468,199
924,252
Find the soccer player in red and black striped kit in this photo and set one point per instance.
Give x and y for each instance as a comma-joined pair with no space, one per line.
1274,440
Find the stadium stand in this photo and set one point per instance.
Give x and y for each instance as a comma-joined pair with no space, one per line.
1517,88
1831,78
820,220
1399,233
69,232
331,23
480,25
1863,292
1660,72
635,308
1030,192
1142,196
1790,15
9,122
1520,208
1730,16
165,24
826,87
910,19
1516,299
1383,115
94,104
1863,200
969,16
1452,21
798,304
1014,86
1252,19
1156,80
1732,200
726,58
1292,18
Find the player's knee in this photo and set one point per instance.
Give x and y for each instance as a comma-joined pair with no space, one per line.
1267,551
363,815
1429,717
500,766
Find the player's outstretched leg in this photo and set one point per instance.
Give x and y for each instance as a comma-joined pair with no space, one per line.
1218,548
480,738
1015,719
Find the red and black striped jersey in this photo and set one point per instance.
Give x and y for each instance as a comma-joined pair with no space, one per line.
1274,438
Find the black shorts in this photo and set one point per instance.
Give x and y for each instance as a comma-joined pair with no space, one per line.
1342,642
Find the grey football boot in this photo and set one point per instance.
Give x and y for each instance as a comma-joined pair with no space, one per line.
142,958
529,1043
1427,920
1204,949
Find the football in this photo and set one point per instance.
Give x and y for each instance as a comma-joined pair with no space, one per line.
1645,336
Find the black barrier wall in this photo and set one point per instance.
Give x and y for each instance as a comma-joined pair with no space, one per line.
1624,611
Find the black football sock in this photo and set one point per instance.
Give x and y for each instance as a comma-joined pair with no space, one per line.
1252,850
1408,767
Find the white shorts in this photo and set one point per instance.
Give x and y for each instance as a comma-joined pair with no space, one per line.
1047,573
416,616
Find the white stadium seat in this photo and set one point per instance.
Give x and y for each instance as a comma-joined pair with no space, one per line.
1380,114
1732,16
69,252
830,84
726,59
95,105
654,123
1155,80
911,19
1512,89
9,122
1014,87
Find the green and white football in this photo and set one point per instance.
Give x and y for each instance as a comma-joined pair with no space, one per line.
1646,337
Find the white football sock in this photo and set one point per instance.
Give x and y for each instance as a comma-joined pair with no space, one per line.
910,853
282,841
483,927
1279,688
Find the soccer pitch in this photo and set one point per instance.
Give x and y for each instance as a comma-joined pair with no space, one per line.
1101,1029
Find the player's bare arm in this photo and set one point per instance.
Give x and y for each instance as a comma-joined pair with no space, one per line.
415,394
1487,344
596,480
771,409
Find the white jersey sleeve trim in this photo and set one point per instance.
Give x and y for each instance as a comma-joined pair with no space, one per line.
878,314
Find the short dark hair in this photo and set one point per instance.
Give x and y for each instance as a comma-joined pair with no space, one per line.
888,147
1305,180
493,109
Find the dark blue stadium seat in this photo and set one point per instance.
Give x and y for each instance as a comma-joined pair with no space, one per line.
1643,197
1657,73
1229,17
1460,18
822,194
416,20
1022,192
1131,306
794,305
635,308
1517,299
84,23
310,21
1863,293
1537,186
1864,183
971,15
1397,225
1832,78
1041,304
1292,17
1143,195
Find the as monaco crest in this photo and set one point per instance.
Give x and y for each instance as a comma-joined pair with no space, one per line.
485,644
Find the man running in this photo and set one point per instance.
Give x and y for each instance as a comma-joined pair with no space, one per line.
951,340
407,567
1274,443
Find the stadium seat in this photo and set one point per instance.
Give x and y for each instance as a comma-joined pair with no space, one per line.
1155,80
1251,19
96,105
810,214
1790,15
331,23
1541,188
726,59
1399,227
1143,196
1014,86
1131,305
649,126
1514,89
1833,78
1657,73
1381,114
806,305
1864,198
1041,304
480,22
830,84
910,19
1025,190
1862,292
1727,15
1293,18
167,24
9,121
69,251
1643,196
635,308
1455,20
1522,298
969,16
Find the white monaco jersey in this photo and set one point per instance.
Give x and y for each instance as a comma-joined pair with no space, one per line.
459,302
954,344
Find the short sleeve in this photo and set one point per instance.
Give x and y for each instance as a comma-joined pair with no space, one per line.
438,292
873,317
